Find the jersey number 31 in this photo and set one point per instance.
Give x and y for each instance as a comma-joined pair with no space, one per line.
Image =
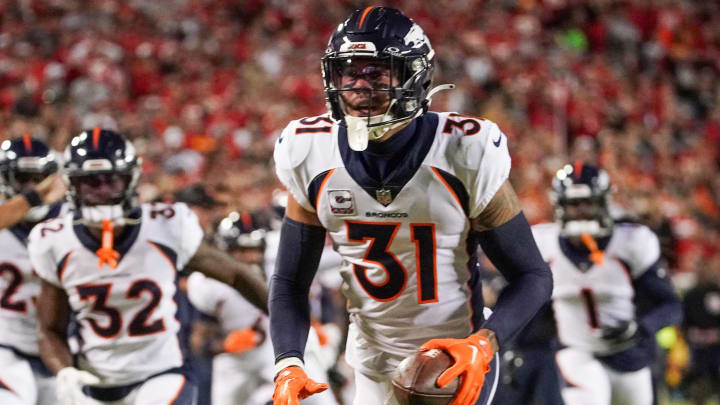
381,235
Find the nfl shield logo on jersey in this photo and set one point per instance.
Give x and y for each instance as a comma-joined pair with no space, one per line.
383,196
341,202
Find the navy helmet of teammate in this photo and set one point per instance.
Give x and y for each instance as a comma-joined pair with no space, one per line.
581,196
24,163
242,234
381,167
102,170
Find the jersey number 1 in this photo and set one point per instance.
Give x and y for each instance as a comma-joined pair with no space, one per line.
381,235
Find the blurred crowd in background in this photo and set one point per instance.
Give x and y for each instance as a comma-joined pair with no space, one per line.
203,88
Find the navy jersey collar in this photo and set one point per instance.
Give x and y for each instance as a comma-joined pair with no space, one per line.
580,255
414,142
122,245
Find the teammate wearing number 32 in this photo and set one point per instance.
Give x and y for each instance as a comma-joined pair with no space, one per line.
405,195
114,263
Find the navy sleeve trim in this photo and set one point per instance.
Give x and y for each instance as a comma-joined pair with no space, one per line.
316,186
62,265
456,187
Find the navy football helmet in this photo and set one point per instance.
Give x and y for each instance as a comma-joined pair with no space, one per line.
390,40
102,170
241,231
25,162
243,235
581,196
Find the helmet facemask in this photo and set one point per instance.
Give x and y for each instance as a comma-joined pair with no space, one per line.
26,162
103,186
378,37
582,205
388,97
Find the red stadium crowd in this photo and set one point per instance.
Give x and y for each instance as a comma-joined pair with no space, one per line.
203,87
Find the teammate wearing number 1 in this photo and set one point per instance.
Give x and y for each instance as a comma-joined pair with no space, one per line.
406,195
611,292
114,264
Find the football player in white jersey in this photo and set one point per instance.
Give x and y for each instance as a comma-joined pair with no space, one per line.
232,330
29,182
114,264
610,294
406,195
243,362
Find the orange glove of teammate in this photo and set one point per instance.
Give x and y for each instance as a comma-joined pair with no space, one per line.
241,340
472,357
293,385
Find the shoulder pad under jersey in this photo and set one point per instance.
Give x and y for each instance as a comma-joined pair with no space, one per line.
639,247
478,153
304,149
45,246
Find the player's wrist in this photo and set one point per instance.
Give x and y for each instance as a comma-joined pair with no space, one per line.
489,335
33,197
282,364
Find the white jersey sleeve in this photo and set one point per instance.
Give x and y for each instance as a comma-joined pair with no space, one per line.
480,158
643,249
301,154
494,167
200,294
191,235
40,248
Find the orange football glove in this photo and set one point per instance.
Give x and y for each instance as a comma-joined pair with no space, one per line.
293,385
472,357
241,340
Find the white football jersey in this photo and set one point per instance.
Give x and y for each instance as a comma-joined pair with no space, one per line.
223,302
585,301
405,242
128,329
19,287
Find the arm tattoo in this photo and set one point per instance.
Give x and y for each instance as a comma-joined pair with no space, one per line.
502,208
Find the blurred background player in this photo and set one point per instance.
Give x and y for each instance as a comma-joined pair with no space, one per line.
234,331
231,330
28,181
114,263
610,295
529,373
405,195
701,329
